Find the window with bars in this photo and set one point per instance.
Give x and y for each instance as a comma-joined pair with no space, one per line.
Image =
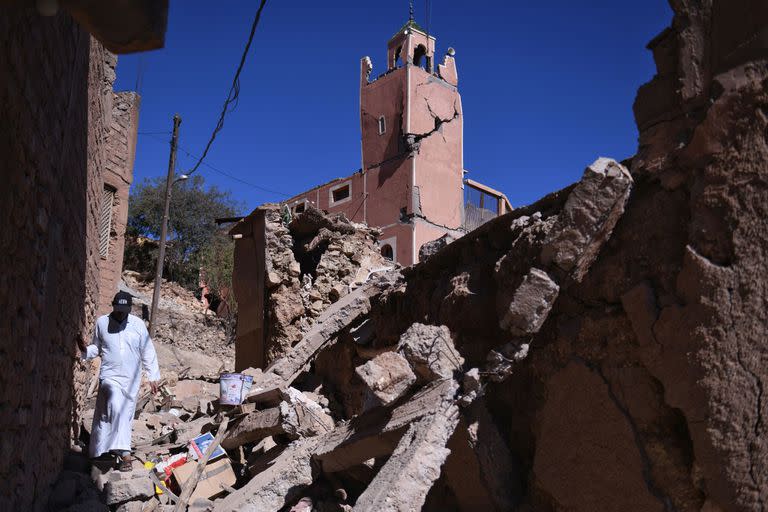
105,219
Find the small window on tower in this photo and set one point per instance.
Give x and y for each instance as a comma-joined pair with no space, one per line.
299,208
387,252
382,125
340,193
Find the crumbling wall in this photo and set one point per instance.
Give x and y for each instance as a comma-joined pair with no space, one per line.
308,264
55,96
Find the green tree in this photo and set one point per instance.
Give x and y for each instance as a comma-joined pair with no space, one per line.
191,227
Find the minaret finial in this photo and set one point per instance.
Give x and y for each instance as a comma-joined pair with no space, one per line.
410,10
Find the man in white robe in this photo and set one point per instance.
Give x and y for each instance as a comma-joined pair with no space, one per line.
122,341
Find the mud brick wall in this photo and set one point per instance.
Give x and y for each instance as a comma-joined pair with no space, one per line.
118,175
55,113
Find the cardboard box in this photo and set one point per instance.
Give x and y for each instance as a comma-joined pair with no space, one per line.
209,485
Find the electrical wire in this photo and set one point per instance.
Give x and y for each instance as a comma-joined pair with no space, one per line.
234,91
214,169
230,176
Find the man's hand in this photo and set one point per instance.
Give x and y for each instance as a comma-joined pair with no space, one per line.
153,386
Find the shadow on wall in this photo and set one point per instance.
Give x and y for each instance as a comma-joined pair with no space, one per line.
47,200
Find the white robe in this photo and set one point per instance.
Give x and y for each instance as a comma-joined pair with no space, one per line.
124,349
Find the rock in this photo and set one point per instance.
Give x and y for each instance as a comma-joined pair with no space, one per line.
302,417
430,351
501,362
388,376
284,481
471,387
273,279
200,505
530,304
588,217
120,489
433,247
406,478
304,505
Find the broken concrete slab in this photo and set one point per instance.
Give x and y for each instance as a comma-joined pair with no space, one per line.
403,482
254,427
588,217
430,350
388,376
530,305
285,479
377,432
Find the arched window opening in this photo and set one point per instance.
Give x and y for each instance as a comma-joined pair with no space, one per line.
399,57
386,251
418,56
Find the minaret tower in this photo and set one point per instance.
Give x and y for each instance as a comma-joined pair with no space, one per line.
412,149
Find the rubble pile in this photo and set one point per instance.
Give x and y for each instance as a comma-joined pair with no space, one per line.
408,424
315,258
600,349
184,322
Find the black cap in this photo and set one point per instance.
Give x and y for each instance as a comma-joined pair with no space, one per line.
122,302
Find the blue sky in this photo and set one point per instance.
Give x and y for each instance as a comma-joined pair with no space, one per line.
545,89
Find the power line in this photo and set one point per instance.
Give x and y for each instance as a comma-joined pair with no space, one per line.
230,176
215,169
234,90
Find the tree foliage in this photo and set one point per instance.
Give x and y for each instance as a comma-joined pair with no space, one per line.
191,227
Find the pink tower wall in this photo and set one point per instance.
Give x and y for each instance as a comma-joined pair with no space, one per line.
410,183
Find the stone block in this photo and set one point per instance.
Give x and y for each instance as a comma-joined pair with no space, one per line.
388,376
120,489
530,304
588,217
430,350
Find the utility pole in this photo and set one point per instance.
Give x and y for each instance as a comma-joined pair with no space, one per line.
164,228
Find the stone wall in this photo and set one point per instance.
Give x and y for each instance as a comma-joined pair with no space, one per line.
286,275
56,101
118,175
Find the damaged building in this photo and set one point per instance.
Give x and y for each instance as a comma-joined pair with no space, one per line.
411,184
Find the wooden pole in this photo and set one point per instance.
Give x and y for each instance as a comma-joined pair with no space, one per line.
191,483
164,226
